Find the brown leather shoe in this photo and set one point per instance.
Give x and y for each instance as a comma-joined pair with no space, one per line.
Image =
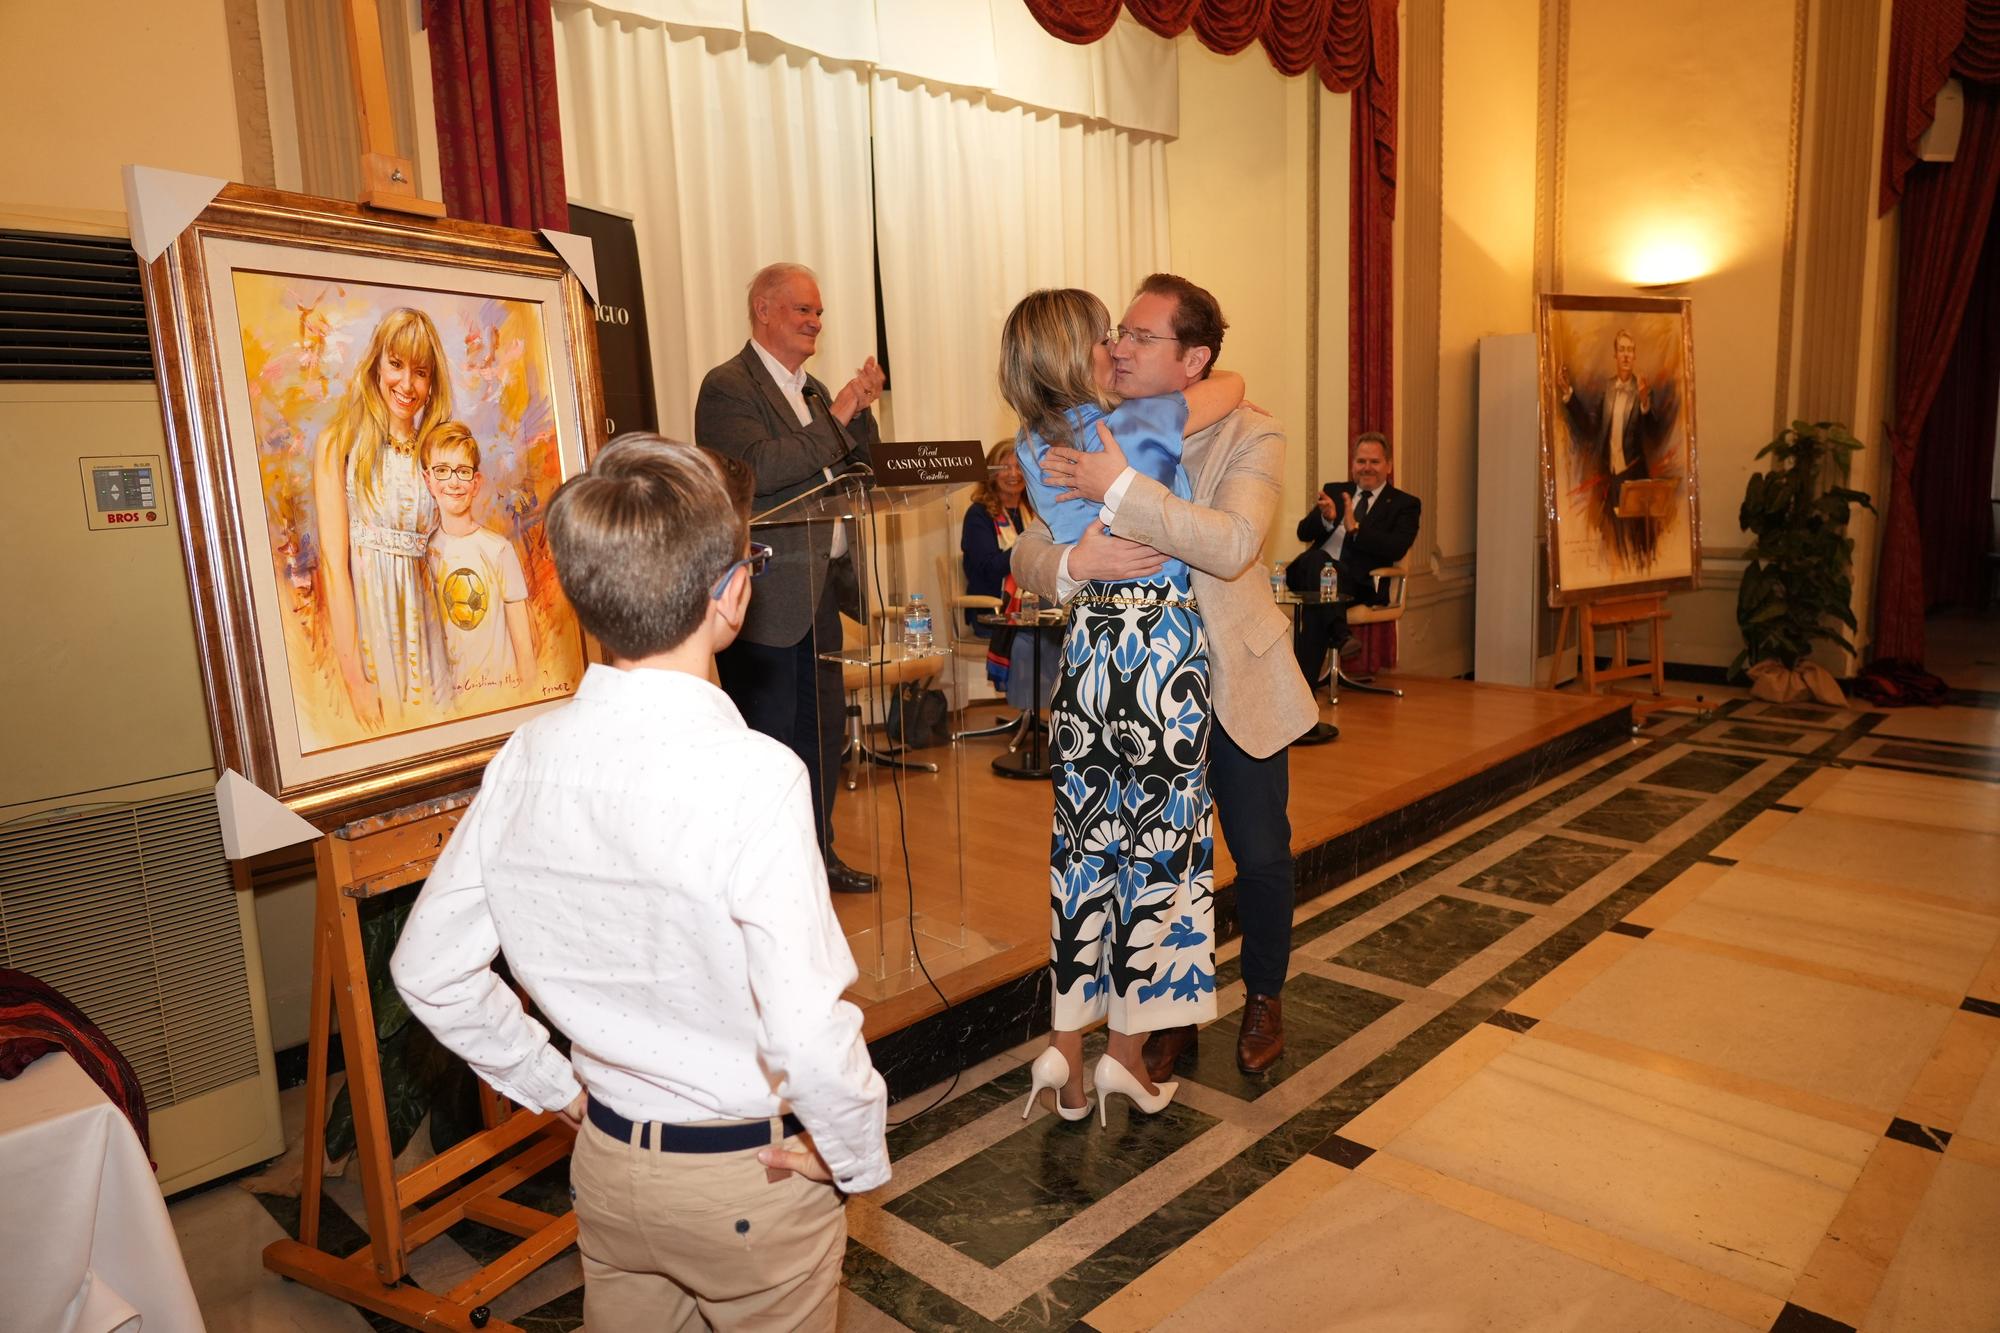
1164,1050
1262,1039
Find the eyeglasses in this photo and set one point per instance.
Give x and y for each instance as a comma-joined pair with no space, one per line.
1140,338
758,560
445,471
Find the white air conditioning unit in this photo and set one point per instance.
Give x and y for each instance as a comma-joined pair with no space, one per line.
113,884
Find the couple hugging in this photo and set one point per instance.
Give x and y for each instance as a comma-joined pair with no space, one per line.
1155,486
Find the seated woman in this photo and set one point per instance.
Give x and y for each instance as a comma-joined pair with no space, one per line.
995,519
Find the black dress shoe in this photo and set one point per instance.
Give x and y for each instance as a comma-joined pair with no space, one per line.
1349,649
844,878
1321,733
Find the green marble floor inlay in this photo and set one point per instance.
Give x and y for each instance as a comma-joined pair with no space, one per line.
1319,1015
1975,761
996,1204
1704,770
1422,945
1761,735
1634,815
1801,713
1546,869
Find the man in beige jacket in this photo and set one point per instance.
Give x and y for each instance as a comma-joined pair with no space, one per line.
1169,338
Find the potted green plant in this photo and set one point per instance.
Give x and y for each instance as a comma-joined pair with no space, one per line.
1798,587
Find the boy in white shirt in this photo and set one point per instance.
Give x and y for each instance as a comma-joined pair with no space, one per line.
648,865
476,573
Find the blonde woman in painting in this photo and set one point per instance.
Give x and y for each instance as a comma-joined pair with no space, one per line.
375,518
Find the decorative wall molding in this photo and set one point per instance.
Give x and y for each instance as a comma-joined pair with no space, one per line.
1313,95
1788,270
1838,204
1421,195
1551,113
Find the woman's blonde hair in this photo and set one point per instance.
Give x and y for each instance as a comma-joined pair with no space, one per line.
1046,365
987,496
361,424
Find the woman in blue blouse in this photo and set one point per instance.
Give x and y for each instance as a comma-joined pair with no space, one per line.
1131,871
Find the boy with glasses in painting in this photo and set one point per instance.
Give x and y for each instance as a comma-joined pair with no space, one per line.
481,589
648,864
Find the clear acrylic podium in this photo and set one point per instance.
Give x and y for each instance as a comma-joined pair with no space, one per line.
898,813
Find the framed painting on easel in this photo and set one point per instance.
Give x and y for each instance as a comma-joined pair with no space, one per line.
1619,483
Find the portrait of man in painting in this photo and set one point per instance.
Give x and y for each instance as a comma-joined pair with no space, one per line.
406,450
1618,443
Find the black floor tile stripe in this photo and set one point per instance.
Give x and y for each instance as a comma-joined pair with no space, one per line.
1922,1136
1798,1319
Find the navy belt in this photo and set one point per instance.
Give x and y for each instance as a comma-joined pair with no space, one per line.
689,1138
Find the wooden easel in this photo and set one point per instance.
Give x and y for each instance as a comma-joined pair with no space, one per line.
389,182
1620,615
363,860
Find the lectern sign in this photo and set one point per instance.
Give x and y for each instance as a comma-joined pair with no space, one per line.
929,462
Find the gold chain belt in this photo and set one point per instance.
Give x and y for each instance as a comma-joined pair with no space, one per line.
1097,599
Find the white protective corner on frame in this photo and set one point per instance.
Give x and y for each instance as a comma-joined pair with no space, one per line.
581,256
159,204
253,820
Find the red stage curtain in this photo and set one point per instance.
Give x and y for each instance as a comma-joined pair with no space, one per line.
1946,210
1955,461
493,77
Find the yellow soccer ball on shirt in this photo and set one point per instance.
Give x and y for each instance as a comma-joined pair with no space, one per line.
465,598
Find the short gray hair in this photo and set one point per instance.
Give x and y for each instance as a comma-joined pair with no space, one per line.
771,277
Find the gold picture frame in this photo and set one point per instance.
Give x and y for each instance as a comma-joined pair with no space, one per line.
306,351
1622,516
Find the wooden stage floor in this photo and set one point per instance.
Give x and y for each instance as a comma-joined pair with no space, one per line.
990,835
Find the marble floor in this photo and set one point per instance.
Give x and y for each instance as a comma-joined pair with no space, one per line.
1702,1035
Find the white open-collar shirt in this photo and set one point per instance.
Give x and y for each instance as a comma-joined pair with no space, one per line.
647,863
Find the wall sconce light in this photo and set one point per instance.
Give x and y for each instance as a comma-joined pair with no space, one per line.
1665,267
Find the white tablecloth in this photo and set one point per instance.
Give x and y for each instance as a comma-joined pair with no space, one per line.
85,1245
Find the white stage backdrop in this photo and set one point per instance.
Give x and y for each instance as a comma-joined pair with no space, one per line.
977,206
726,163
732,146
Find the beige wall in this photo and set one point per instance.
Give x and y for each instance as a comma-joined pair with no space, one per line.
1238,186
88,86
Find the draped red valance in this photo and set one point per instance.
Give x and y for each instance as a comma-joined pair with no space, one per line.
1332,36
1929,41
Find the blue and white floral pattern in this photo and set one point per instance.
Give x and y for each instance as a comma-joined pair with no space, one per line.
1131,862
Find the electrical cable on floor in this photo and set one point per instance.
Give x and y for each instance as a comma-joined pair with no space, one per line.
878,665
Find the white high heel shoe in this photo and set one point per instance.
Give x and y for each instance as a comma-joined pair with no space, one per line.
1051,1071
1113,1077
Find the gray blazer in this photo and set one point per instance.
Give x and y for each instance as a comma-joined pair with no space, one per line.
742,412
1259,695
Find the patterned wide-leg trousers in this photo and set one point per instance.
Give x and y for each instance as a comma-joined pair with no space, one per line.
1131,865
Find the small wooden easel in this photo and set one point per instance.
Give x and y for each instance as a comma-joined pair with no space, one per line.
1619,615
363,860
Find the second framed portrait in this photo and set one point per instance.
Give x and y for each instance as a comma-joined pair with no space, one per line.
1619,485
369,418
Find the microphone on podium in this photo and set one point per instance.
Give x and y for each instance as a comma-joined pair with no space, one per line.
847,459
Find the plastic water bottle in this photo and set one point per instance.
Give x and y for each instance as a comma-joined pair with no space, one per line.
1277,579
1326,577
917,624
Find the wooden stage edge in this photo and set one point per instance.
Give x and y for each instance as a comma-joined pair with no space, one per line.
1394,755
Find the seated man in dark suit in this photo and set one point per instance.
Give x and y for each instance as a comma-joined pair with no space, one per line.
1358,526
760,406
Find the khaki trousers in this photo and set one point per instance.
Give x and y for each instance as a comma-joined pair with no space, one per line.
688,1241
